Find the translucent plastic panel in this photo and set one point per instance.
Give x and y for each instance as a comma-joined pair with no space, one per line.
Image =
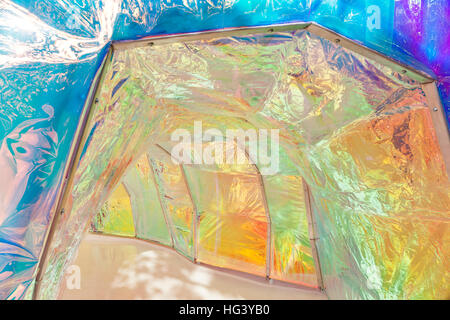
382,207
149,219
216,156
116,217
176,201
314,92
232,220
292,258
398,171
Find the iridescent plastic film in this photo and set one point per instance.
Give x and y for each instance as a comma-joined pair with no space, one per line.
149,218
358,133
115,217
52,49
292,258
385,226
175,200
232,220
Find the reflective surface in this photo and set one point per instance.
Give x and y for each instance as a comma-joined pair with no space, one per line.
149,218
115,216
114,268
175,201
359,134
292,258
50,51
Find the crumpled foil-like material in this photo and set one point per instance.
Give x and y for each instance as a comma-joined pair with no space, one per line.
358,133
228,202
50,51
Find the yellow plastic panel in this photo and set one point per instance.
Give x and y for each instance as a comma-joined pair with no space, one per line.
232,220
116,217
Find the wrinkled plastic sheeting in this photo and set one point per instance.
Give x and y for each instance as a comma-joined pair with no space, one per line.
385,223
135,208
45,74
292,257
358,133
51,49
232,227
415,32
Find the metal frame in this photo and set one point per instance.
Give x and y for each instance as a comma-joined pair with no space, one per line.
266,209
163,204
80,139
420,76
196,216
168,218
427,81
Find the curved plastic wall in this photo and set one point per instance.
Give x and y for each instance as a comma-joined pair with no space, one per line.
50,51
